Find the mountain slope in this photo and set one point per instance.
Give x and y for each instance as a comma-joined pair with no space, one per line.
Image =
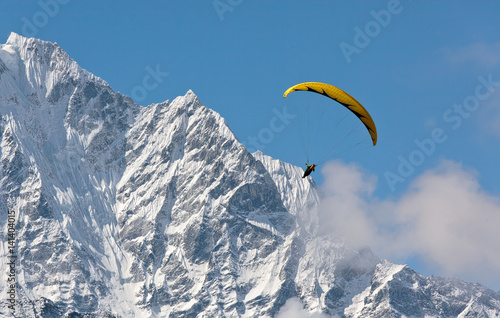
160,211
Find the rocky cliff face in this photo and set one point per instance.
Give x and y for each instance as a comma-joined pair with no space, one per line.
159,211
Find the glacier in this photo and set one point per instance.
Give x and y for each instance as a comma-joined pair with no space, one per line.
159,211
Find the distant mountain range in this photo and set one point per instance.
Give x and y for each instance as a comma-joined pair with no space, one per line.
159,211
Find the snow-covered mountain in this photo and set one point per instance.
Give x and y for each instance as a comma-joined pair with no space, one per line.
159,211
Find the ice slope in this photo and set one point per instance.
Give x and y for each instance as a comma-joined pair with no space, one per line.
159,211
63,135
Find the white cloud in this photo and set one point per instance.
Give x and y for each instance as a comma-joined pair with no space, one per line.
293,309
444,218
484,54
345,209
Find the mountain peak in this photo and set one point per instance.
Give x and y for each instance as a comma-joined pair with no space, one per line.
27,45
16,39
42,71
191,98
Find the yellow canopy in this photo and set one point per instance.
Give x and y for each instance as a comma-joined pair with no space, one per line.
343,98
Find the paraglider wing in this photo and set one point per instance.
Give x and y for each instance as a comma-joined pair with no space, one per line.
343,98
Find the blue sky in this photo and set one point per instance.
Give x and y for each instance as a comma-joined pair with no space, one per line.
428,72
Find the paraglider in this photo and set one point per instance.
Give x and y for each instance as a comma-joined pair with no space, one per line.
310,168
342,98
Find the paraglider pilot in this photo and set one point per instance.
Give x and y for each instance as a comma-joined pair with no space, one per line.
310,168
